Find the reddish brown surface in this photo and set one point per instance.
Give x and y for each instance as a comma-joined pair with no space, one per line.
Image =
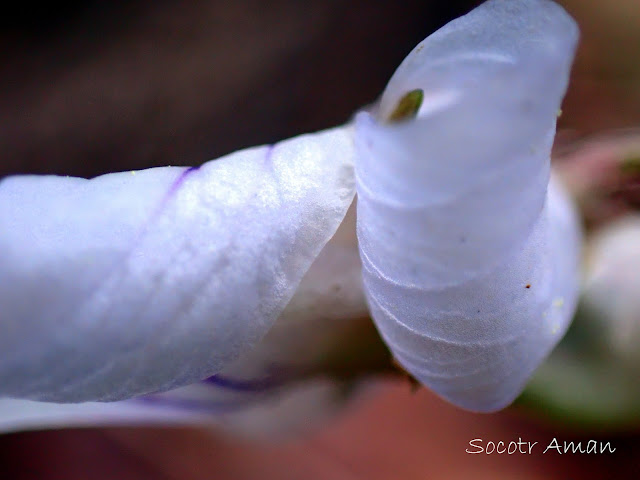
394,435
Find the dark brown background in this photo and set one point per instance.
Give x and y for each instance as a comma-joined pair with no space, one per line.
94,88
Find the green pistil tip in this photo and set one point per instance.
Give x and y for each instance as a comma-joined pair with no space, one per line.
407,107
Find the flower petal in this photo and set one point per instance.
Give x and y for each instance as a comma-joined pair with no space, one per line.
137,282
470,261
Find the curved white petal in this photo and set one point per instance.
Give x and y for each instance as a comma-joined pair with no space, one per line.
286,413
22,415
470,262
326,311
143,281
268,390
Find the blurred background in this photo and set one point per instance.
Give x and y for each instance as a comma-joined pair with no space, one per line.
88,87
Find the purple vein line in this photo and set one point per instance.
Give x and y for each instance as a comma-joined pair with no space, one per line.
241,385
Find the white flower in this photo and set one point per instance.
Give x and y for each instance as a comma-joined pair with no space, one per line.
140,282
470,262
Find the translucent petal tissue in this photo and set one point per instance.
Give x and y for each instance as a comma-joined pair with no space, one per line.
470,256
138,282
